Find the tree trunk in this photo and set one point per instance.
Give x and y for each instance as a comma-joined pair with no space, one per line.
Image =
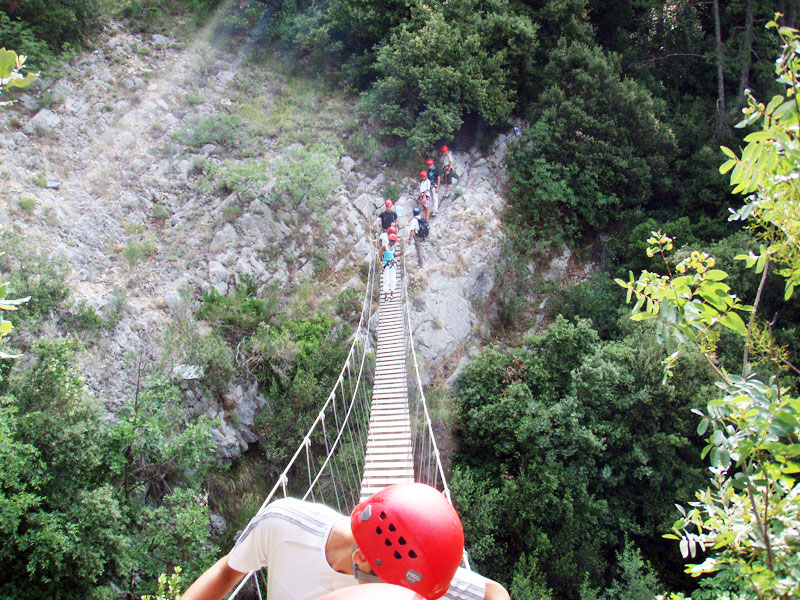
792,16
747,50
721,125
782,10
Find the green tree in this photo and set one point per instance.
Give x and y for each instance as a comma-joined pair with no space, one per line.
437,66
596,146
580,445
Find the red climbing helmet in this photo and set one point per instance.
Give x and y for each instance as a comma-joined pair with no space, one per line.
423,174
392,230
389,204
372,591
445,149
429,162
392,237
411,536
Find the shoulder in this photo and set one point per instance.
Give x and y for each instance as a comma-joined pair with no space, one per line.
467,585
311,517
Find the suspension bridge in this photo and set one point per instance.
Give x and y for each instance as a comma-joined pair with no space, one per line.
374,429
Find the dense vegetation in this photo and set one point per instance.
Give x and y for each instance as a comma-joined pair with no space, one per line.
572,453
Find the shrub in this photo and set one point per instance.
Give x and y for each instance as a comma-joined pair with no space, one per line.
235,176
160,212
33,274
40,179
26,205
232,211
138,250
348,305
307,180
219,129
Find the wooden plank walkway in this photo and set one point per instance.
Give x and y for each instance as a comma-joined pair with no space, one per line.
389,456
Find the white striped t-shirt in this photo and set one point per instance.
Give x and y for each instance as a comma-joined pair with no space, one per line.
288,538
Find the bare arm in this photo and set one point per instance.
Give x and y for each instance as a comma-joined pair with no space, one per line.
216,582
494,591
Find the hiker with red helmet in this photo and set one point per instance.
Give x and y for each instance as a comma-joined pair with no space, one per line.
310,550
387,218
447,171
434,177
383,239
424,195
387,256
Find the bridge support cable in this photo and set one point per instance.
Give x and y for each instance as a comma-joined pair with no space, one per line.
327,466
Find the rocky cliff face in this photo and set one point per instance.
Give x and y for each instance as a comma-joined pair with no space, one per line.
126,206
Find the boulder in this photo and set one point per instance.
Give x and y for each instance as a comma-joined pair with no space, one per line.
365,203
43,123
173,300
346,164
161,41
224,238
218,276
558,265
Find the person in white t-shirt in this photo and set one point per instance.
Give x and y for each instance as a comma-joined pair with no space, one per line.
406,534
424,195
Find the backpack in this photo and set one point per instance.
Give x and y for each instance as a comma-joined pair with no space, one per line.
424,230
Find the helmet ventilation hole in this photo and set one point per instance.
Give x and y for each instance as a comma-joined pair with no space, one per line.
383,516
392,528
397,555
387,541
379,531
412,554
401,541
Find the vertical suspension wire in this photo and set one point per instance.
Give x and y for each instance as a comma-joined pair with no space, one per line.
307,443
328,453
351,483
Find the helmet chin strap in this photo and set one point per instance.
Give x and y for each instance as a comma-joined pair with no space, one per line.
363,576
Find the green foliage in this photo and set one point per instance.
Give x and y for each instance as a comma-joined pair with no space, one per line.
432,69
57,22
138,250
235,176
19,35
580,444
40,179
10,77
294,353
596,146
742,524
72,537
168,589
85,502
306,181
240,314
187,345
597,298
222,129
27,205
348,305
32,274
